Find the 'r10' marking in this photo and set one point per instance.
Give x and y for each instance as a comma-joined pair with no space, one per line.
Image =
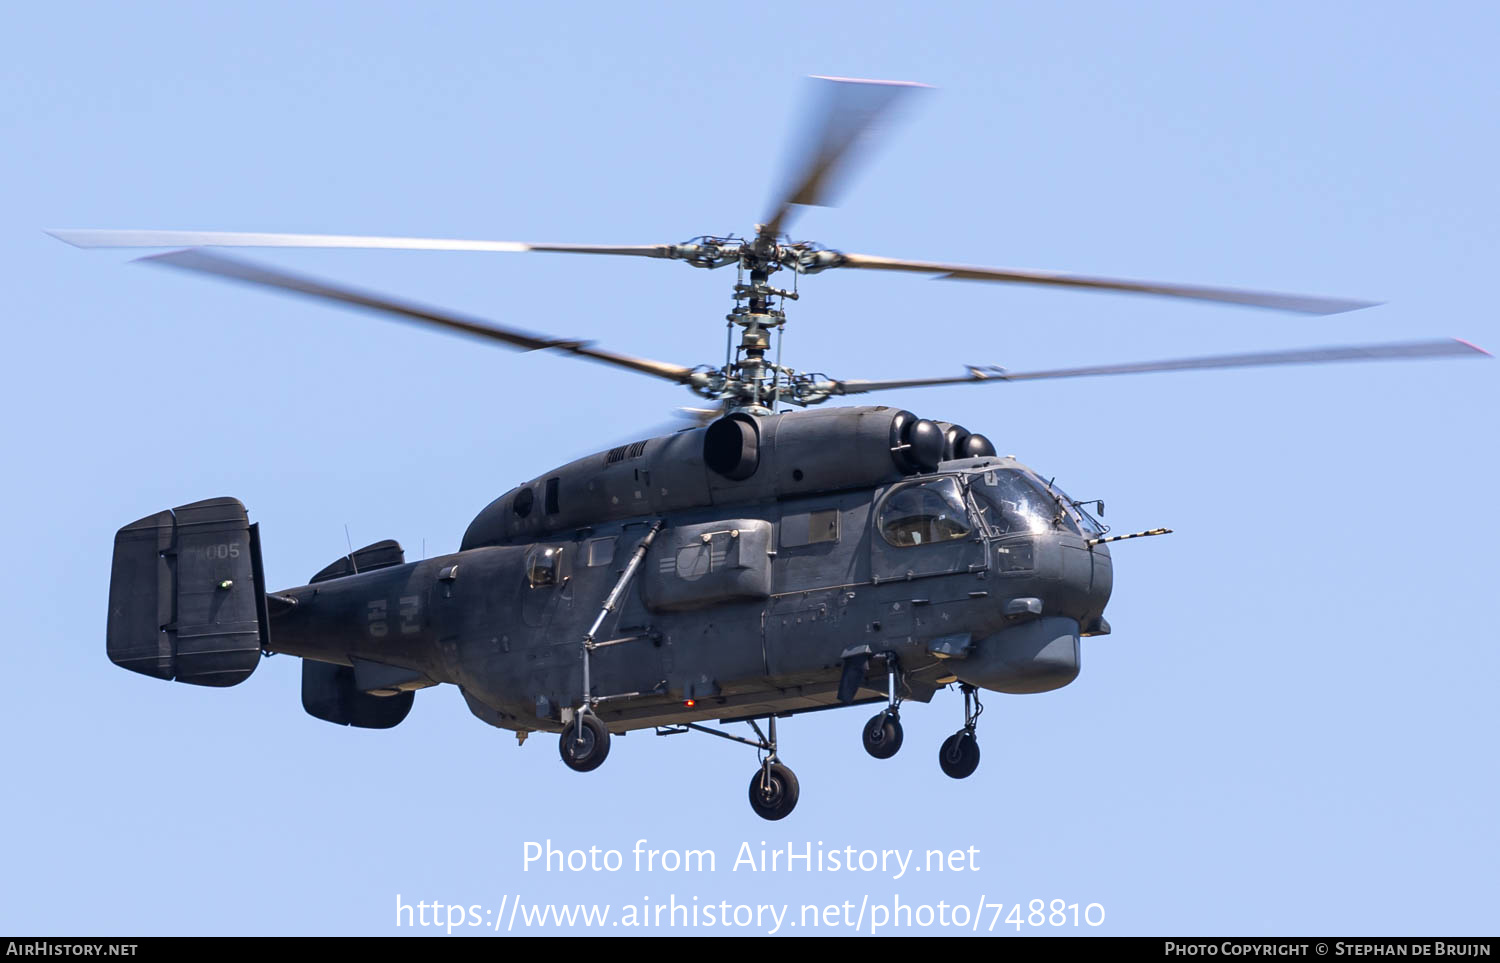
410,613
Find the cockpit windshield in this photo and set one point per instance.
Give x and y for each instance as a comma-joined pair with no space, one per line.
1008,501
1014,502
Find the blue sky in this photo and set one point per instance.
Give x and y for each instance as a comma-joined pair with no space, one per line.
1290,730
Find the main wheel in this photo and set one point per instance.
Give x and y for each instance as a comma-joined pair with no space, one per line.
959,755
882,735
584,749
773,791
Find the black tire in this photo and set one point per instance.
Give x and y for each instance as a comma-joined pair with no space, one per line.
773,792
584,754
882,735
959,754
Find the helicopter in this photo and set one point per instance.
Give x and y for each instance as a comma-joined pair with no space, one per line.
771,559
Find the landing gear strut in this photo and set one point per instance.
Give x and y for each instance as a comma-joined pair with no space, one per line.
773,791
959,754
585,740
882,735
773,788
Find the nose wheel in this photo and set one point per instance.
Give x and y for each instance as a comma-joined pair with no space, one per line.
959,754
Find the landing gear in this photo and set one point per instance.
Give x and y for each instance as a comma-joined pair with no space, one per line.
773,791
882,735
584,743
773,788
959,754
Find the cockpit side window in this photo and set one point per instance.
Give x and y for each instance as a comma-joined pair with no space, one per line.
924,513
544,566
1090,525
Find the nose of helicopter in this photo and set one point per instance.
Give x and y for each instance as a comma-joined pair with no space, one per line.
1042,615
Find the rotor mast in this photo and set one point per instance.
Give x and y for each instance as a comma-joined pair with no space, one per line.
753,382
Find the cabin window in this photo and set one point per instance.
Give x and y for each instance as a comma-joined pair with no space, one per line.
810,528
552,496
522,505
544,566
1014,555
601,551
924,513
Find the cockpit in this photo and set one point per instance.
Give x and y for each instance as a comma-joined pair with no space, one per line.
924,513
1015,502
999,502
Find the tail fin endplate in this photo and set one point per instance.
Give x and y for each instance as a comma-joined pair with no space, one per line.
187,595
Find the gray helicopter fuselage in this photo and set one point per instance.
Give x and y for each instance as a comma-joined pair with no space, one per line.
765,564
755,596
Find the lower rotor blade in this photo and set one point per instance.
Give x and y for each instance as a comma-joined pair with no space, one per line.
203,262
106,238
1301,303
1401,351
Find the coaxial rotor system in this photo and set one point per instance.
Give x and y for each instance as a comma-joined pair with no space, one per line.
850,113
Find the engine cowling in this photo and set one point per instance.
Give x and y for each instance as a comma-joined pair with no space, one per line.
737,459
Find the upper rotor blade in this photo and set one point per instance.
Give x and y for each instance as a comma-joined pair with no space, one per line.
850,110
1305,304
205,263
106,238
1400,351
